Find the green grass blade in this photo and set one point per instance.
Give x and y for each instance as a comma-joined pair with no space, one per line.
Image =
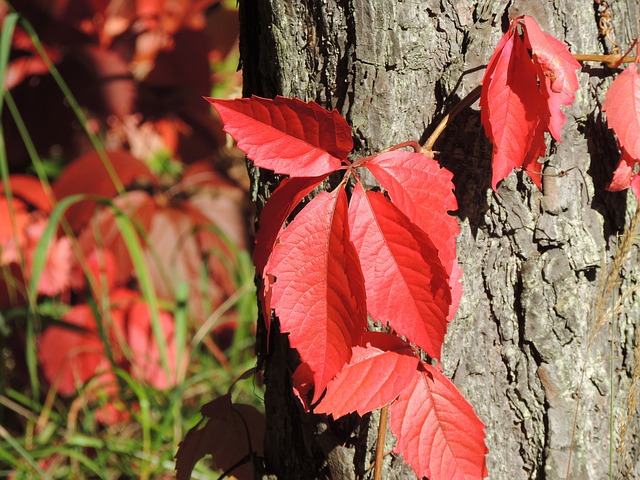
145,419
6,436
181,323
128,232
84,460
6,37
40,253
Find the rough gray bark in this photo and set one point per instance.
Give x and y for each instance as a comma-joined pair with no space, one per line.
531,260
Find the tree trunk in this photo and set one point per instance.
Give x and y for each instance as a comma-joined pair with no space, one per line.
532,261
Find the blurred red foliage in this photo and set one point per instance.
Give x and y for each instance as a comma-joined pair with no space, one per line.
140,69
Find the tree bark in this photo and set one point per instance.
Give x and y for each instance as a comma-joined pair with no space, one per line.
532,260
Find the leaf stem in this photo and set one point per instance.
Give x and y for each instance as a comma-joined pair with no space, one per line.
382,433
427,148
608,59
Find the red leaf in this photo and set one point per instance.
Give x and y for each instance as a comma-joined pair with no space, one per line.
556,72
71,357
279,206
145,354
622,105
56,275
103,231
387,342
511,100
30,190
232,432
625,175
88,174
302,380
12,241
538,149
374,377
287,135
319,292
424,193
103,394
521,97
438,433
406,283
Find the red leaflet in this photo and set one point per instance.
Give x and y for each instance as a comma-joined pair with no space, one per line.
512,107
374,377
30,190
145,353
88,174
624,176
279,206
622,105
405,176
556,69
438,433
302,380
319,293
287,135
522,94
406,283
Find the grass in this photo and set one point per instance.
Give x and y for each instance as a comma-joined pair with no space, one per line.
49,435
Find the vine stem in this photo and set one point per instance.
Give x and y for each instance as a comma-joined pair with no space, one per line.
382,434
427,148
609,59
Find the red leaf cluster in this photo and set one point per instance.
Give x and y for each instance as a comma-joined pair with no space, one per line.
529,77
138,68
70,357
185,234
178,233
622,106
390,256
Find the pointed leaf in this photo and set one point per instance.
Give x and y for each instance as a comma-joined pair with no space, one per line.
489,74
622,105
88,174
407,286
302,380
30,190
438,432
538,149
287,135
279,206
622,175
556,71
551,55
423,191
374,377
281,203
512,101
625,176
319,293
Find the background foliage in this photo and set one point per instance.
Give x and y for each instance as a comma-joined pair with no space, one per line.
126,295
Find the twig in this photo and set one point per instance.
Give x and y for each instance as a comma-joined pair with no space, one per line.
608,59
473,95
382,434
